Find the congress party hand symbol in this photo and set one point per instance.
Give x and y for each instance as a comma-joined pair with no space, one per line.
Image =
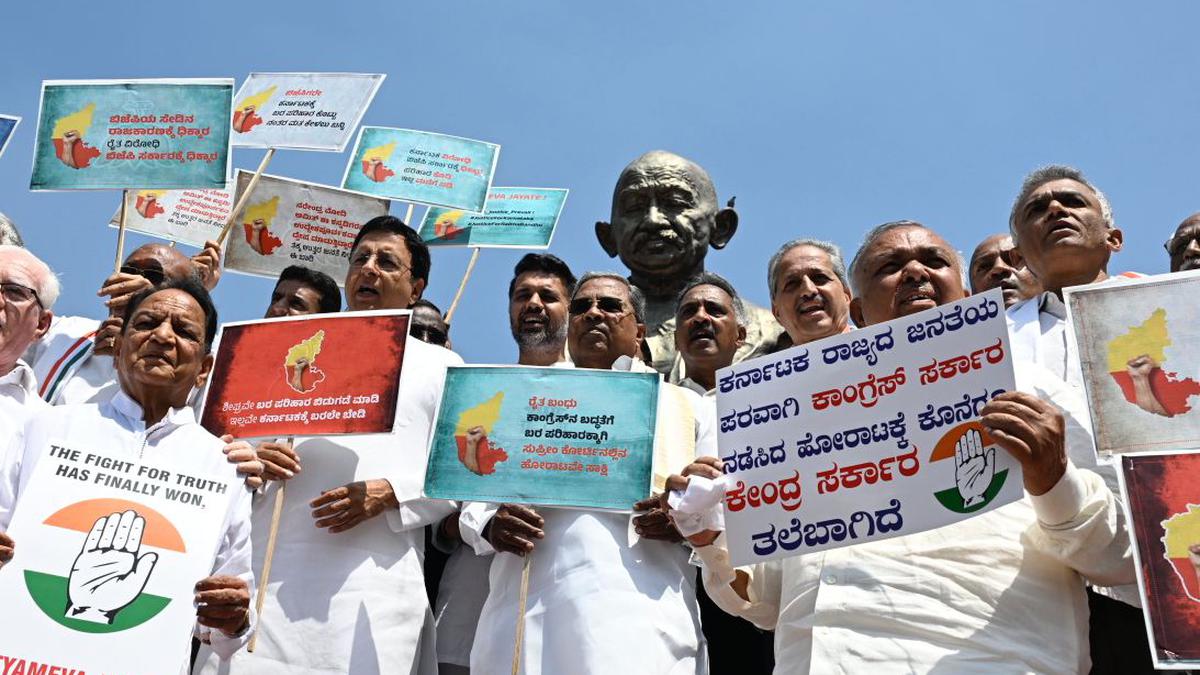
109,574
974,467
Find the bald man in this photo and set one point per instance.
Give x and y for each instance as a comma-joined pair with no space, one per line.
994,265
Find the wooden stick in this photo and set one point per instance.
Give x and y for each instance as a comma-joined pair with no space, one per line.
266,571
121,233
241,203
462,286
520,641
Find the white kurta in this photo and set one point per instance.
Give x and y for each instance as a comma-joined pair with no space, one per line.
177,440
67,370
352,602
998,593
600,599
18,400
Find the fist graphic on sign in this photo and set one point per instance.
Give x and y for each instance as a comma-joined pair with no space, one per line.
109,574
974,467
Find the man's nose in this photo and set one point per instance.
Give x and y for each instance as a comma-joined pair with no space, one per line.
535,302
163,332
914,271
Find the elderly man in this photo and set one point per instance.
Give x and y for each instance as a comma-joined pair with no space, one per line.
1002,592
300,291
810,296
600,599
28,290
993,265
346,593
665,216
710,326
1184,245
161,354
72,361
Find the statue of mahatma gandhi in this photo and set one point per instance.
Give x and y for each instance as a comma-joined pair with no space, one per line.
664,217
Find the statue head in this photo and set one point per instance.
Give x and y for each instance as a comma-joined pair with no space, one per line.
664,218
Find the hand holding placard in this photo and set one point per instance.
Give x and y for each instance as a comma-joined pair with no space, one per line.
1034,432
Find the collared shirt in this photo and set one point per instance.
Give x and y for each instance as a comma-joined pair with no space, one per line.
999,593
18,399
117,425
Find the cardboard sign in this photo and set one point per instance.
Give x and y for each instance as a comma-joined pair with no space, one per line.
289,222
1136,342
8,125
422,167
116,134
306,111
185,216
1162,494
514,218
866,435
166,534
318,375
551,436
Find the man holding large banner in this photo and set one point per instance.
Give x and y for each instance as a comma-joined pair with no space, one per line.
1001,591
346,592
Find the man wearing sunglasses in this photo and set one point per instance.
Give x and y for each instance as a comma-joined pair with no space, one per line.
632,595
1184,245
993,265
428,326
27,291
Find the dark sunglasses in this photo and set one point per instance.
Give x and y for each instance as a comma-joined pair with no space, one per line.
608,305
1176,244
152,275
430,335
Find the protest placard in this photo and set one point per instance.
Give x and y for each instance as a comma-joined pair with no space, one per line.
866,435
1162,494
317,375
514,218
8,126
66,613
185,216
422,167
116,134
290,222
1135,341
305,111
551,436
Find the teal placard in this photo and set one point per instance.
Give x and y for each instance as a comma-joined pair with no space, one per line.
116,134
551,436
8,124
422,167
515,217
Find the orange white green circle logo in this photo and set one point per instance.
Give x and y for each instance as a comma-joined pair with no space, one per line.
102,587
976,481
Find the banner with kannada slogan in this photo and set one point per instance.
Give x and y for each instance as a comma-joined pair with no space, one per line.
116,134
551,436
317,375
305,111
866,435
422,167
8,125
108,553
185,216
515,217
1162,494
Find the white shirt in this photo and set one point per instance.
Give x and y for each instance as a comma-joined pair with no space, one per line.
67,370
352,602
600,599
176,439
1000,593
18,399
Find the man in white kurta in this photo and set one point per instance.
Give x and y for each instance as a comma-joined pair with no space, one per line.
354,601
28,289
601,598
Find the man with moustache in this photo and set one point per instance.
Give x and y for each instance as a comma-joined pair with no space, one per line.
600,600
300,291
810,296
665,216
1001,592
347,591
710,326
1184,245
28,290
991,266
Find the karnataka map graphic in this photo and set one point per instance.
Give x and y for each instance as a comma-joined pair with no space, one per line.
373,162
1181,531
70,138
471,433
257,224
1137,361
147,203
300,365
245,114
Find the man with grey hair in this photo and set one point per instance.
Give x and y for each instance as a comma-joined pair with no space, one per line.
810,294
9,234
28,290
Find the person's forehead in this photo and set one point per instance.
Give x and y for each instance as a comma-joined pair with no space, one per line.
156,256
172,301
1189,226
295,287
992,247
906,241
389,242
707,293
805,258
18,269
603,287
539,281
1060,185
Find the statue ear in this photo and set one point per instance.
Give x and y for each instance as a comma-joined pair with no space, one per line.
604,233
724,225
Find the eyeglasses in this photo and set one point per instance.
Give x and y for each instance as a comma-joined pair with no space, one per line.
383,261
608,305
1176,244
19,294
430,335
152,275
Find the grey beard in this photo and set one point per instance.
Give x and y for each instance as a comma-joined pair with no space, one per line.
541,338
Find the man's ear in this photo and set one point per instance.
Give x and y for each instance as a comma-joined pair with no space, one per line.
205,369
418,289
741,336
1017,257
43,324
604,233
724,226
856,312
641,332
1115,239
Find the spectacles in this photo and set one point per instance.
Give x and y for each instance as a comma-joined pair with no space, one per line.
608,305
430,335
1176,244
152,275
19,294
383,261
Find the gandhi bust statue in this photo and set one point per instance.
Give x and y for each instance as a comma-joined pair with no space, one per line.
665,215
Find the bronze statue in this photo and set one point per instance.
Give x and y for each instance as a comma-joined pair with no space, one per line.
665,215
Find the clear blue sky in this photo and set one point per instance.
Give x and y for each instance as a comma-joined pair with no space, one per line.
824,118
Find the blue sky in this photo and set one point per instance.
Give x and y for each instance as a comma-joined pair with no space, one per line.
823,118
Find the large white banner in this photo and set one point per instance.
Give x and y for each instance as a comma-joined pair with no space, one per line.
306,111
867,435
